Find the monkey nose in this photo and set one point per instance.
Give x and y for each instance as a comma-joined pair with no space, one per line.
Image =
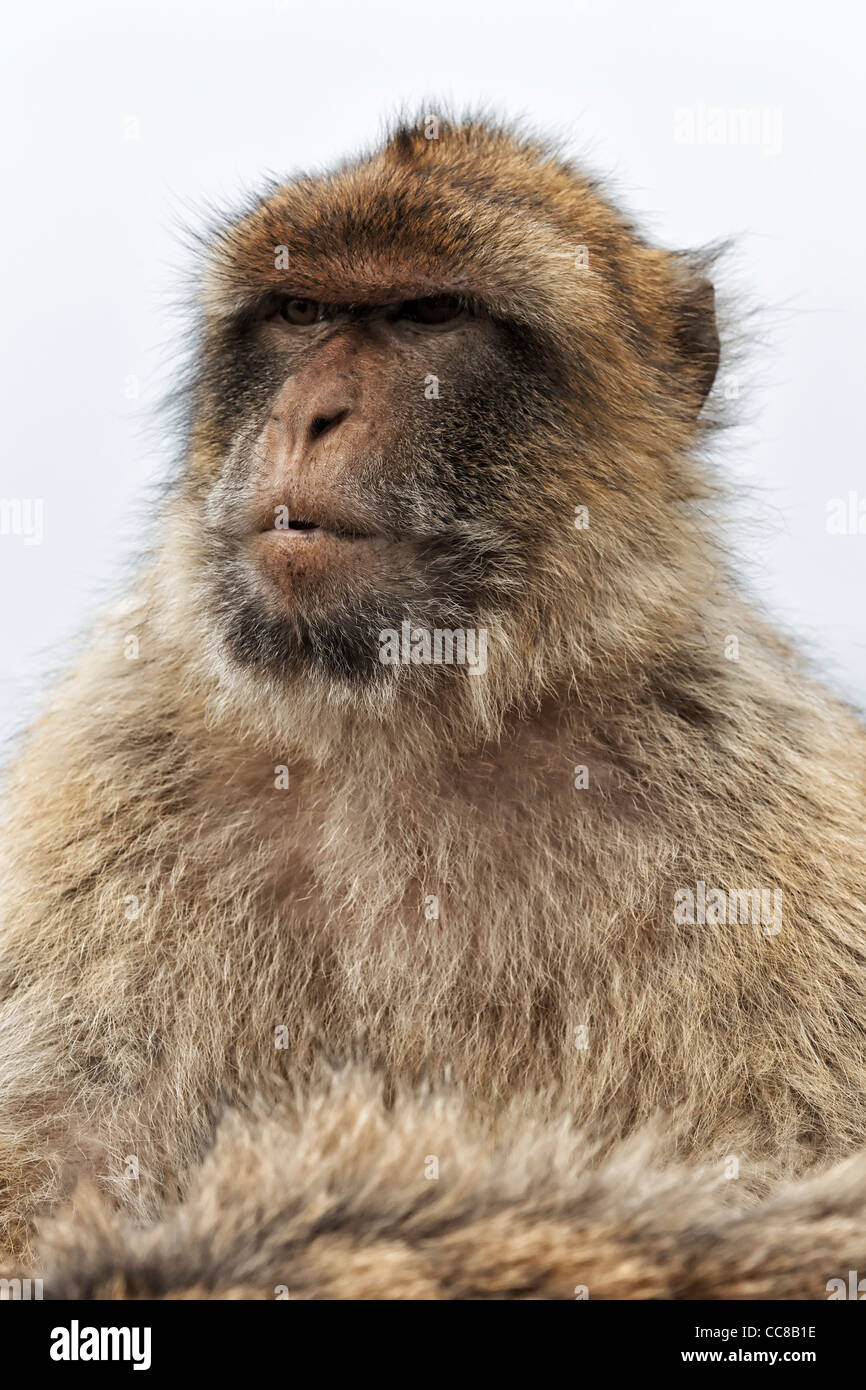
324,422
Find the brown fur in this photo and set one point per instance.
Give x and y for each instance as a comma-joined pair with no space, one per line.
127,1028
329,1201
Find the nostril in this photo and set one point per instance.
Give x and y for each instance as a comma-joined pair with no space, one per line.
321,424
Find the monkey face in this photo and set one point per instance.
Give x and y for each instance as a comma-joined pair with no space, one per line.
375,481
408,383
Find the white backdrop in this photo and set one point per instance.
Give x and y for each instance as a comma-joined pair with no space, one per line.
122,120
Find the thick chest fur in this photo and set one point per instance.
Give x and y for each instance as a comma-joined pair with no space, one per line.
491,930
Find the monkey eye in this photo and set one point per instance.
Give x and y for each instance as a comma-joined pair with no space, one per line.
437,308
301,311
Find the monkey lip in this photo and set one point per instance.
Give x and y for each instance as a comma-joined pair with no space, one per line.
312,529
310,536
294,557
314,525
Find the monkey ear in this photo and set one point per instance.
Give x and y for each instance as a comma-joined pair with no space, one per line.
696,336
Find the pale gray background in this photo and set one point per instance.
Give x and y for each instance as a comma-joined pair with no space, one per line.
219,93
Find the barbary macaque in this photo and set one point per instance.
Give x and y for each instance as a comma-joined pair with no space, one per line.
332,962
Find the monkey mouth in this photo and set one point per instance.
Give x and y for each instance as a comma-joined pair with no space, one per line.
309,555
302,527
312,519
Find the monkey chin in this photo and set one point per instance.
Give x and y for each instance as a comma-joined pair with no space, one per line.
312,610
309,614
323,597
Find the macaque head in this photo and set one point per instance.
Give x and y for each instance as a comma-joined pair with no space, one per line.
414,374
